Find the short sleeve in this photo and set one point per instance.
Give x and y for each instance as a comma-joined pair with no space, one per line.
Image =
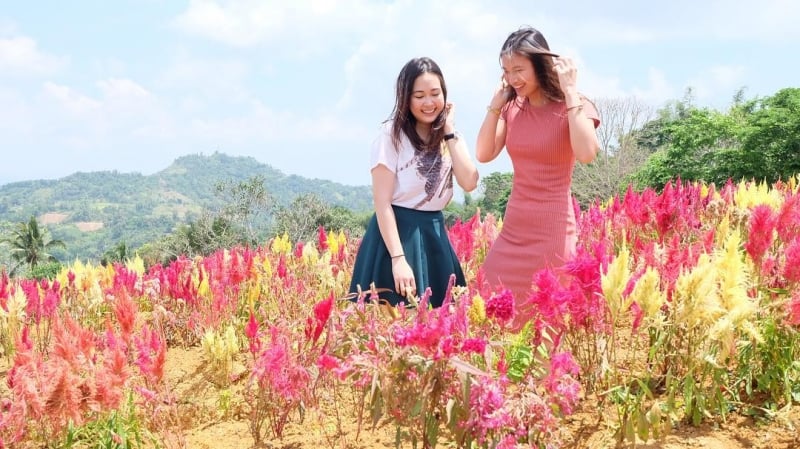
590,111
383,151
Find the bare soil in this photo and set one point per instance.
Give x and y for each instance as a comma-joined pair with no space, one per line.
207,427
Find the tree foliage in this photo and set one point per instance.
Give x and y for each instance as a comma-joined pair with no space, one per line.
30,245
754,140
622,121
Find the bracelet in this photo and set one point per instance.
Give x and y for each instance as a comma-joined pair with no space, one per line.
449,136
495,110
577,106
399,255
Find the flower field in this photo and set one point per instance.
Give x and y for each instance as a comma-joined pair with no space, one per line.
681,309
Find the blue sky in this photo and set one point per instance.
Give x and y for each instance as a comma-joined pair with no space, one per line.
130,85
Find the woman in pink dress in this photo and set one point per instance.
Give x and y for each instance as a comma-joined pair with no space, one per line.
538,114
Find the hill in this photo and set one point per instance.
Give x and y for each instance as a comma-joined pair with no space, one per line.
92,212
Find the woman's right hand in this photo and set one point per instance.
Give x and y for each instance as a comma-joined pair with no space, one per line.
403,277
501,94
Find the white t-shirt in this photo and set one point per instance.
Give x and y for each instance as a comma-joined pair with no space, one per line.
423,180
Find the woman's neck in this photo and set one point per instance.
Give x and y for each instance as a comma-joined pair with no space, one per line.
423,131
537,98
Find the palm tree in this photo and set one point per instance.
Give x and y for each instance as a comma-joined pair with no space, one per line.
30,246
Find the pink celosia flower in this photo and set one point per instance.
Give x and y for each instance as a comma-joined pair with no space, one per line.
501,306
561,381
788,220
328,362
322,239
487,414
791,267
760,229
793,309
474,345
322,312
636,310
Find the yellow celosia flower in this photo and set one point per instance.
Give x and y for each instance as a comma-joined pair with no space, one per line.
220,350
695,298
738,309
614,282
310,255
11,322
477,310
750,194
136,265
281,245
648,294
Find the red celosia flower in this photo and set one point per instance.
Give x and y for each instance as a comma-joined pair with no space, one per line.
322,239
791,267
501,306
322,311
761,227
474,345
788,220
251,330
793,309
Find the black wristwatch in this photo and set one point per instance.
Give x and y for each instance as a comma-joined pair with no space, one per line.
449,136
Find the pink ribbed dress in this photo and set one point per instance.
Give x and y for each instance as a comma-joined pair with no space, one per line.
539,224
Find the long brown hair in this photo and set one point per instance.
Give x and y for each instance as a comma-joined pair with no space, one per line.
530,43
404,120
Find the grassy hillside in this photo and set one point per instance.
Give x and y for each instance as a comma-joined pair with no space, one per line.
92,212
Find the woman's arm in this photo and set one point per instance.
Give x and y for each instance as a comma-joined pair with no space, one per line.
582,135
463,168
492,134
382,189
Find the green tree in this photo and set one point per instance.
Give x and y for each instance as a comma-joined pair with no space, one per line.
119,253
302,218
244,203
31,245
771,145
496,190
622,121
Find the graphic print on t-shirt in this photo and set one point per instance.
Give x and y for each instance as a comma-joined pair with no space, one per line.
428,165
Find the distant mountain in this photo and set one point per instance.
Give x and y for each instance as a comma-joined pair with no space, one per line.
92,212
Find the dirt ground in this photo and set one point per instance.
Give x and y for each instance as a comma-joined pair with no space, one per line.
208,428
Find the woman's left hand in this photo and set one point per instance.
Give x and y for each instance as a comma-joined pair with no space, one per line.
450,118
567,73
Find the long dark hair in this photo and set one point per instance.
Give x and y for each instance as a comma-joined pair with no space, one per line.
529,42
404,120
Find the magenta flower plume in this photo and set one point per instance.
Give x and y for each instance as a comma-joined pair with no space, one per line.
760,227
500,306
793,309
791,267
251,331
788,224
561,382
315,324
322,239
487,413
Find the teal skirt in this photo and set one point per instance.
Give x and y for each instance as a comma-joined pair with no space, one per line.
427,250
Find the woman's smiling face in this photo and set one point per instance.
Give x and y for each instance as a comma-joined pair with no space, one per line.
519,73
427,98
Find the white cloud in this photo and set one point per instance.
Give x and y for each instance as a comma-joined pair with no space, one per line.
717,82
21,55
71,101
766,20
15,114
658,89
244,23
210,78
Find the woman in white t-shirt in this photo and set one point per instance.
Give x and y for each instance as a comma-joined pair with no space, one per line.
413,161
